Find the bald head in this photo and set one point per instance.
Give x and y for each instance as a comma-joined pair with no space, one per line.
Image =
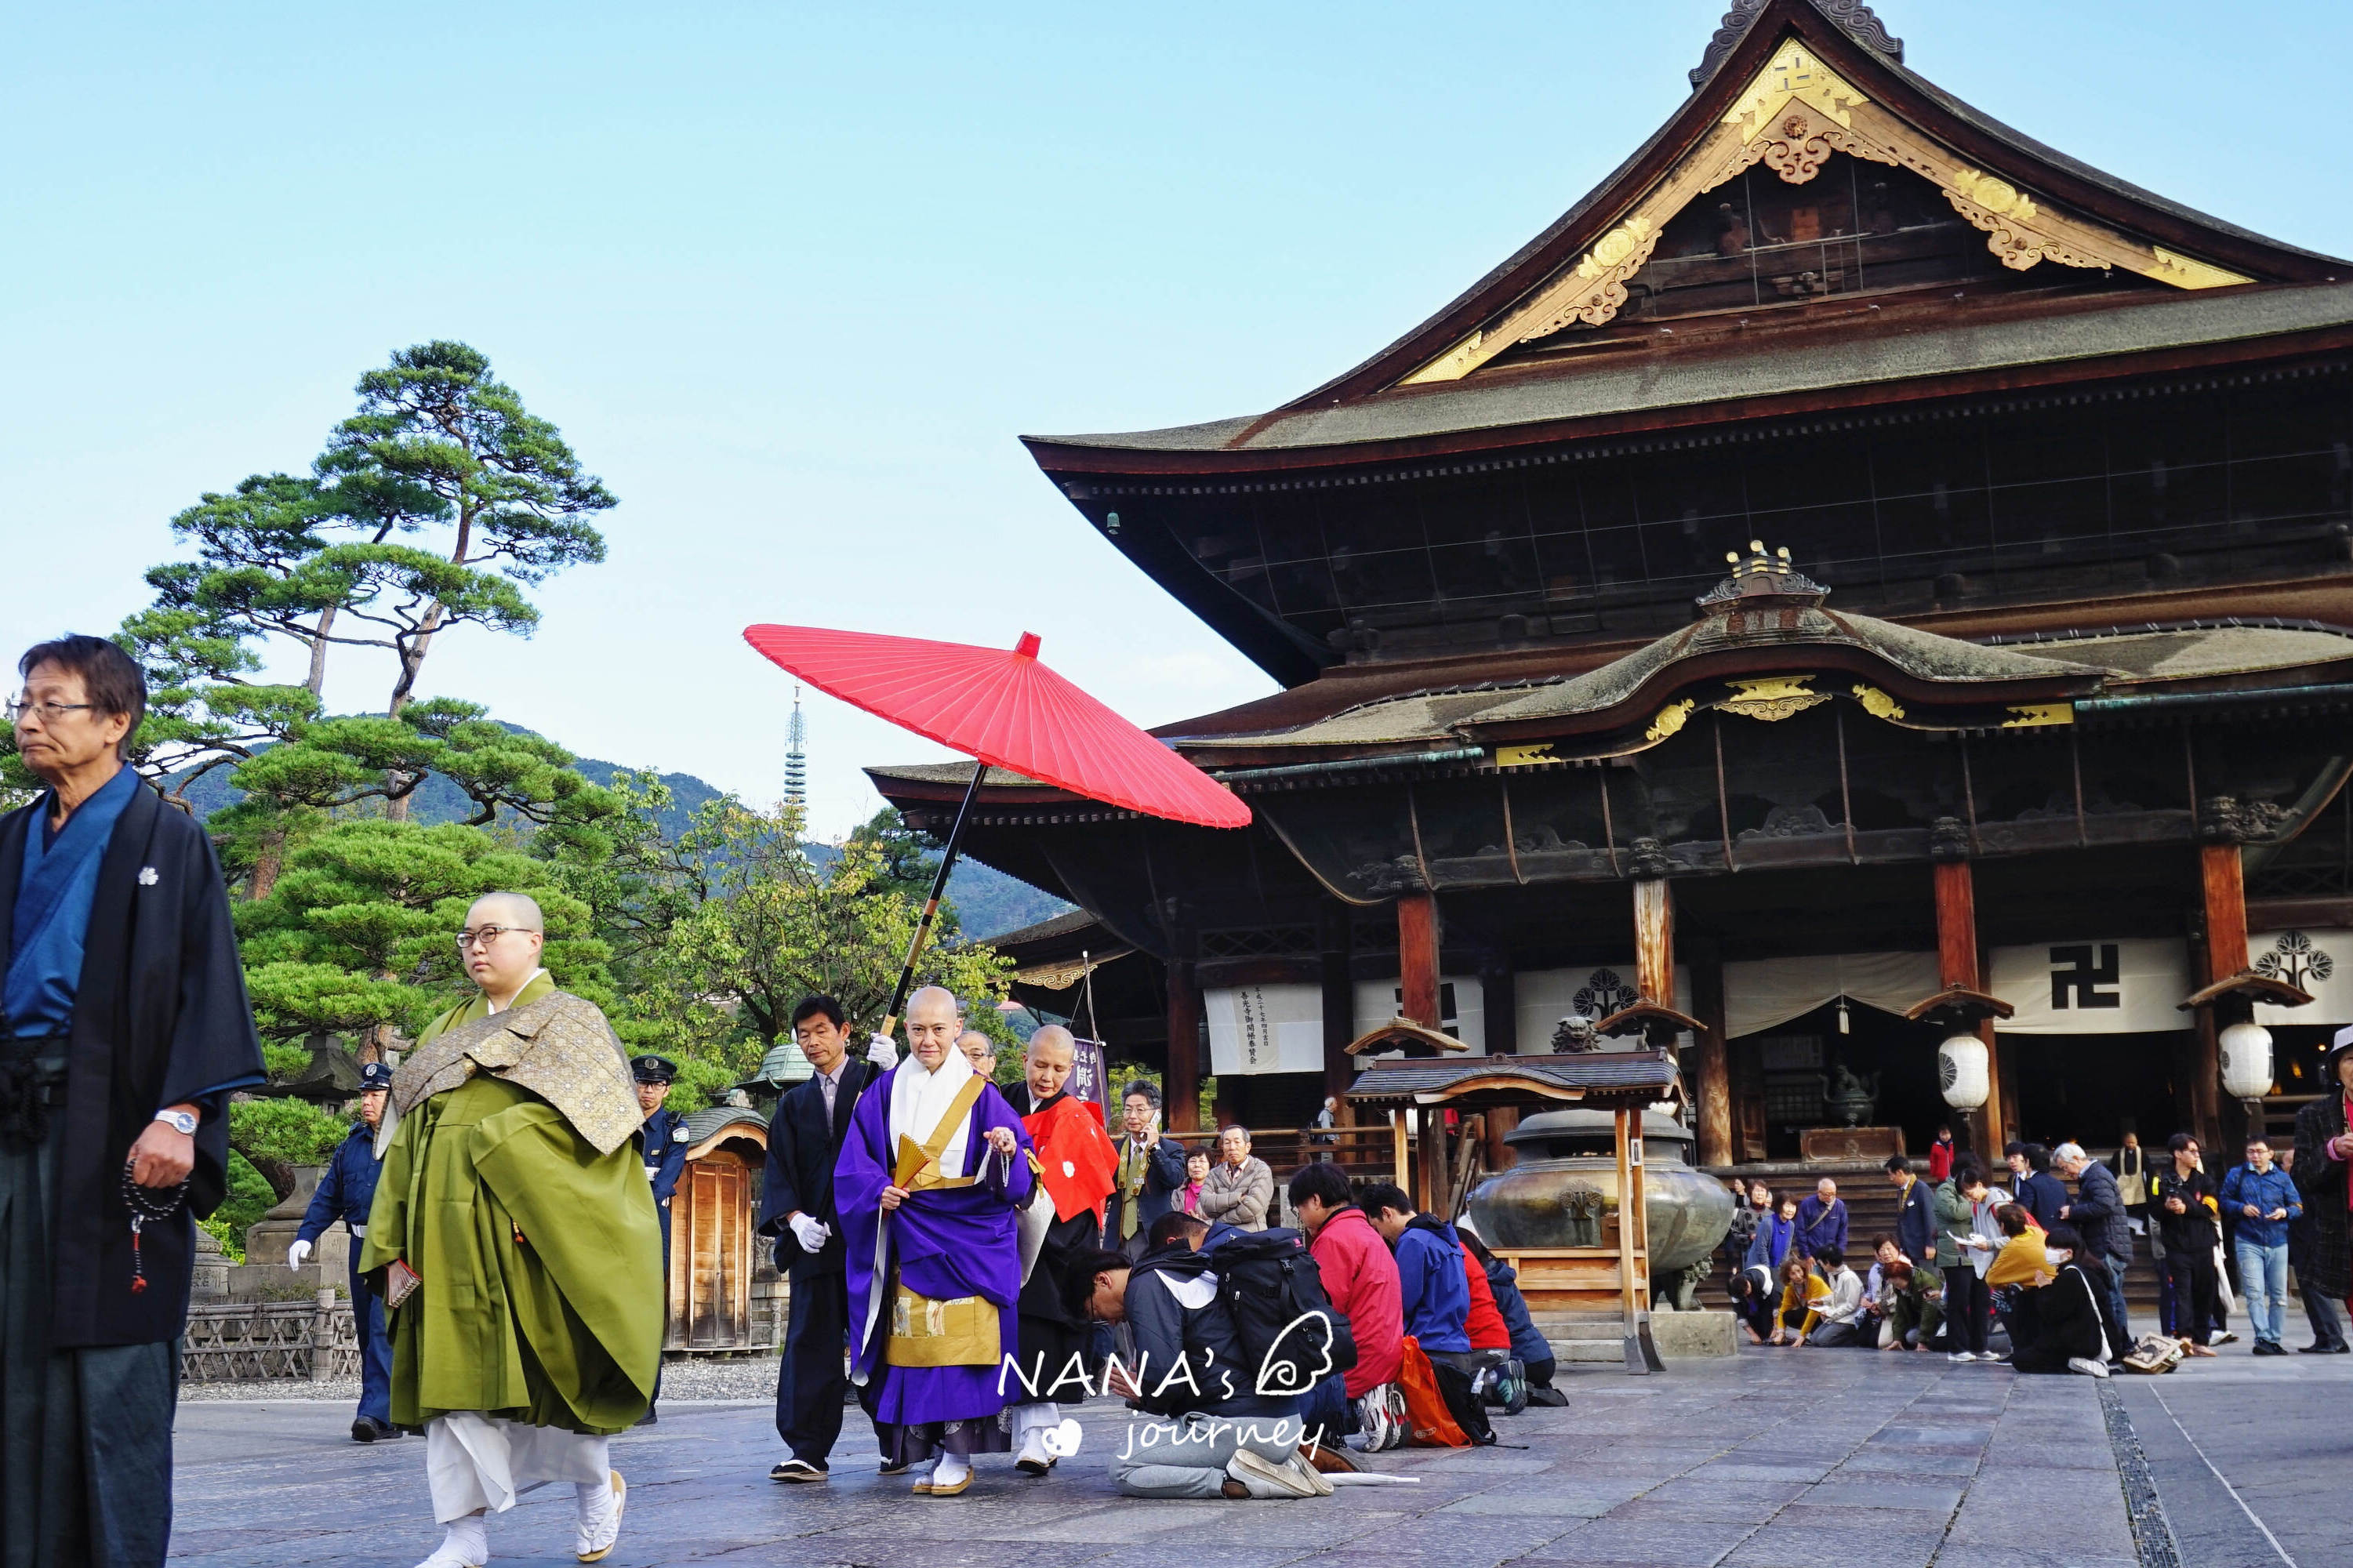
501,944
933,1025
1047,1066
979,1050
520,911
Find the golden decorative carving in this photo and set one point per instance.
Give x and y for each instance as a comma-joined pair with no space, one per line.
1772,697
2189,272
1877,703
1794,114
1998,197
2032,715
1792,76
1670,720
1526,756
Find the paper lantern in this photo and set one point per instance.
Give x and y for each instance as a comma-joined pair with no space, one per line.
1961,1073
2246,1050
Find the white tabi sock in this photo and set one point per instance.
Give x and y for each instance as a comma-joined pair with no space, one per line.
467,1545
952,1469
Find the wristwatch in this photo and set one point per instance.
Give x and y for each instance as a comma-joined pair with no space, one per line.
183,1122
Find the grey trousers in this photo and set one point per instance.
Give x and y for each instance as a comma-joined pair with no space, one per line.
85,1435
1188,1458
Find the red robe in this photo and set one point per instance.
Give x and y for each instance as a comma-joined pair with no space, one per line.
1077,1165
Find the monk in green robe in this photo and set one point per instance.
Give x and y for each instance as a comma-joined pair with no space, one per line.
512,1191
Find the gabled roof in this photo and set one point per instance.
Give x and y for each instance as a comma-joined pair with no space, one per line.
1785,85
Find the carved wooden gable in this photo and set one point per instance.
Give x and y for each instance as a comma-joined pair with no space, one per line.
1860,185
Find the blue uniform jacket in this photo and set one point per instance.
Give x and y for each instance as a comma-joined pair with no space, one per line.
665,1151
2273,1189
347,1191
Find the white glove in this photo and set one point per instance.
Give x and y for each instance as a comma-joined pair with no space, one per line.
812,1234
298,1254
882,1051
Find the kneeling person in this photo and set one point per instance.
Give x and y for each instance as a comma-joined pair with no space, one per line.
1208,1435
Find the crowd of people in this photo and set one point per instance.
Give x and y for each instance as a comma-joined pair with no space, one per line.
989,1260
970,1261
2008,1265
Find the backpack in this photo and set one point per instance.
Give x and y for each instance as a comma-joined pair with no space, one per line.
1288,1327
1440,1402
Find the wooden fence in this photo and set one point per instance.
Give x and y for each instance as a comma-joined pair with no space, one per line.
252,1342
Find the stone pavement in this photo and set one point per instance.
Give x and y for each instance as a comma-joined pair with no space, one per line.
1801,1459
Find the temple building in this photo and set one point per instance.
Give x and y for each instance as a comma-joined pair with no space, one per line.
1863,602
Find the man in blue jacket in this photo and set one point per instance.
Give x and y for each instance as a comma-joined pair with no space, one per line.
1431,1286
662,1143
2265,1200
345,1192
1821,1220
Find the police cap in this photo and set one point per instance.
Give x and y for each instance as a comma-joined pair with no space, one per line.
374,1076
652,1069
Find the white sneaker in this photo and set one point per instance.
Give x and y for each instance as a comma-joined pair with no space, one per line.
1964,1355
1303,1468
467,1545
600,1519
1995,1355
1266,1478
2222,1337
2087,1366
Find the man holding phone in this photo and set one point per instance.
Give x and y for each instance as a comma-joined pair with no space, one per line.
2266,1203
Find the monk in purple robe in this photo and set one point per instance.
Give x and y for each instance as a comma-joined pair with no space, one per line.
932,1177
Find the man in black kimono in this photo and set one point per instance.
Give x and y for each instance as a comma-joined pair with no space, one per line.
127,1027
796,1208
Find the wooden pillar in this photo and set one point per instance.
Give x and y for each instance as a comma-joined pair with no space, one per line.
1713,1085
1416,918
1956,964
2223,882
1633,1246
1499,1004
1184,1075
1400,1151
1339,1007
1654,940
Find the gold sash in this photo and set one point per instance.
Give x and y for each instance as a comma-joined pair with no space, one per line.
919,1163
926,1332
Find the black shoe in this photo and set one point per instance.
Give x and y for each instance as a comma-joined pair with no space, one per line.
2267,1347
368,1429
648,1419
887,1468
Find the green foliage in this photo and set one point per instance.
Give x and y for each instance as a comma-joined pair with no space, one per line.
326,561
718,932
284,1132
438,440
250,1197
359,929
904,860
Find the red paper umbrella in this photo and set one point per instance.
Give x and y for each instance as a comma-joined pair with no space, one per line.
1009,711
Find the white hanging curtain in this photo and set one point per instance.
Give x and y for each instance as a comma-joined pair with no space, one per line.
1760,993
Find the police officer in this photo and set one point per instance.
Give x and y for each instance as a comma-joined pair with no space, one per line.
663,1139
345,1192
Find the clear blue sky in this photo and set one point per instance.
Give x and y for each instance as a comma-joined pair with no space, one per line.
792,277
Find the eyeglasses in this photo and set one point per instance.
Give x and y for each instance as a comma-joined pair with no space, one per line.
22,704
485,935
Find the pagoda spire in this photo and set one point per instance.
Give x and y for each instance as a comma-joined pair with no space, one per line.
796,757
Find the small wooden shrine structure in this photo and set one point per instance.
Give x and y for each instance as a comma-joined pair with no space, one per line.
711,1254
1608,1281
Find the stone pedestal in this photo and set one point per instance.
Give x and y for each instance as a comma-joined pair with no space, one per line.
265,1277
210,1282
1849,1145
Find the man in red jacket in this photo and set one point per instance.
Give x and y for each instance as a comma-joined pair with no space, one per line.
1361,1277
